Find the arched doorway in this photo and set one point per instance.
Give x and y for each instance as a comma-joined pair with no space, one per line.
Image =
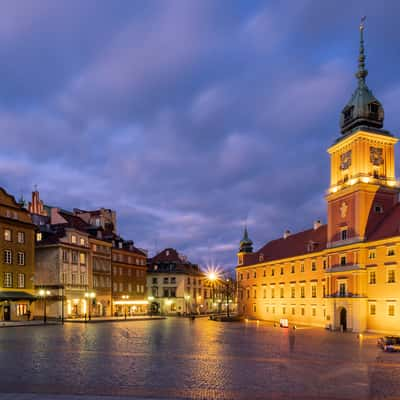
154,308
343,318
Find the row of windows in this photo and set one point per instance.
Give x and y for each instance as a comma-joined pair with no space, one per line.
8,257
101,281
282,292
119,287
8,280
120,271
73,257
128,259
8,236
82,241
390,277
391,309
77,279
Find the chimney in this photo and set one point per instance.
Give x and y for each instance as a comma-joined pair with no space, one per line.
286,234
317,224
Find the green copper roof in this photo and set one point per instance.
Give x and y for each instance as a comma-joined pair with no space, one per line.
246,245
363,109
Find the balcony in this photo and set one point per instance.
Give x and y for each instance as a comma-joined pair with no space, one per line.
343,268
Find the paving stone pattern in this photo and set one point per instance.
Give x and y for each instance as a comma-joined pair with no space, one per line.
181,359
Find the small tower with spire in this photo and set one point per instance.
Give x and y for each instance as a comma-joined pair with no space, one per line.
245,247
363,109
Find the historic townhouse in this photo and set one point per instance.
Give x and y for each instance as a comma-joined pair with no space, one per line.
17,242
176,286
345,273
128,278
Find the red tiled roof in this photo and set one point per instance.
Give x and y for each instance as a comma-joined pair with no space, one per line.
388,227
294,245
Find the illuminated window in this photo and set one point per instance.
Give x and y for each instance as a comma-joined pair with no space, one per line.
21,237
391,276
38,236
302,291
7,280
7,235
82,258
372,278
7,257
391,310
314,291
82,241
372,309
293,292
21,258
371,254
73,239
22,310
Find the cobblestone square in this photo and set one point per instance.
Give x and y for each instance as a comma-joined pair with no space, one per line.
201,359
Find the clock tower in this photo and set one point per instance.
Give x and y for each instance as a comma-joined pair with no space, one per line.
363,187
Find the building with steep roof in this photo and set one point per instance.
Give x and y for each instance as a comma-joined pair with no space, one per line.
344,274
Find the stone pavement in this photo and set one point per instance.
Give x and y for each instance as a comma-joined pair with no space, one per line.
114,319
33,396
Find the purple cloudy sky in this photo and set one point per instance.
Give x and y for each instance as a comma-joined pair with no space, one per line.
187,117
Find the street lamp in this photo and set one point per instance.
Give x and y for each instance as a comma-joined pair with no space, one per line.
212,277
125,297
187,298
90,296
43,294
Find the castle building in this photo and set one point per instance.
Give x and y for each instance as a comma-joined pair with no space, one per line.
344,274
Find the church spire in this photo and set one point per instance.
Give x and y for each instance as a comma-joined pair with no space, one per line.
246,245
363,109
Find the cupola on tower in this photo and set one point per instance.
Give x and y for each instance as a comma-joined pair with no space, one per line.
363,186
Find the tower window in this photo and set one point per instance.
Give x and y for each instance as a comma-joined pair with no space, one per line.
348,113
343,234
378,208
373,108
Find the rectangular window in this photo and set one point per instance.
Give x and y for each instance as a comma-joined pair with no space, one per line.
166,280
8,280
255,274
342,289
248,293
372,309
372,254
82,241
173,279
293,310
313,291
73,239
391,310
343,260
293,292
282,292
272,272
313,266
283,310
302,291
74,257
65,256
390,251
154,281
254,308
273,310
272,293
323,290
391,276
7,235
281,270
82,258
302,311
121,287
7,257
324,263
302,267
343,234
372,278
255,293
21,258
264,273
21,237
265,293
314,311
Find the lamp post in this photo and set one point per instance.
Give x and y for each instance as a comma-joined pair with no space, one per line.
227,297
212,276
43,294
150,299
125,297
187,298
90,296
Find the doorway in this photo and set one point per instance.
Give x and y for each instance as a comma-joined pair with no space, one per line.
343,318
7,313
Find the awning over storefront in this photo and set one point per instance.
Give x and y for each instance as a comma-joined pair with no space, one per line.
11,295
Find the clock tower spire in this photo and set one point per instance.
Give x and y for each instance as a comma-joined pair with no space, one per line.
363,186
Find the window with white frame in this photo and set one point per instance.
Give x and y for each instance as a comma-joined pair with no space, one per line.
7,279
21,280
7,257
21,237
7,235
21,258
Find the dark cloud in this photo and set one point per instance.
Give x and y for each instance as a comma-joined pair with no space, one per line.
188,118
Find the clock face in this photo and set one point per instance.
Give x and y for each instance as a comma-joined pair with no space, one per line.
345,160
376,155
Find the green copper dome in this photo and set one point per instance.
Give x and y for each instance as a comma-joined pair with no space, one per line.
246,245
363,109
